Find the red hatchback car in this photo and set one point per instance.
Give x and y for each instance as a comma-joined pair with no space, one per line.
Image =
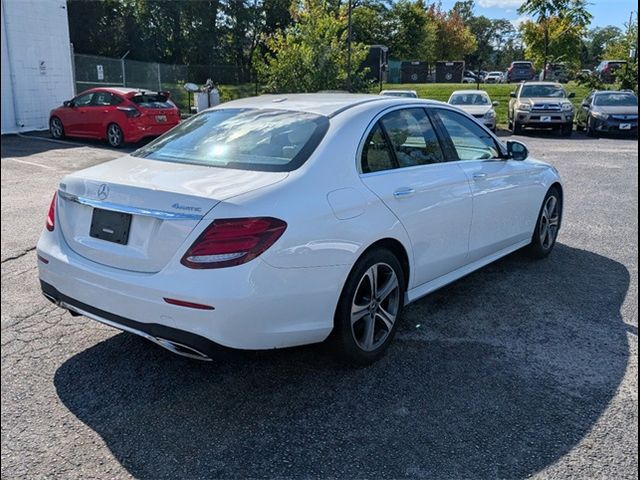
116,114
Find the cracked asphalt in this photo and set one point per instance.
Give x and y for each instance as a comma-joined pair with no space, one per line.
521,369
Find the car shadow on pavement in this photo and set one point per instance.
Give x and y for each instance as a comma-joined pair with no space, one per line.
497,375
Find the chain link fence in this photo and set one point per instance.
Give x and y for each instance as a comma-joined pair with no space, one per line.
95,71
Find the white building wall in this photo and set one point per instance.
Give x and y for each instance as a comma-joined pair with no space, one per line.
37,73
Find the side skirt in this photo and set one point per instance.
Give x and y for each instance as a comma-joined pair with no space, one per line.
426,288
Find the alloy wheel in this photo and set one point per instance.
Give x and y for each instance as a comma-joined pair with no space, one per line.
114,135
375,306
56,128
549,222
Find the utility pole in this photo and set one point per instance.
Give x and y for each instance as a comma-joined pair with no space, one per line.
349,48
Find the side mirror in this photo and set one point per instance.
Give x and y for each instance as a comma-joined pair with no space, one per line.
495,103
586,105
512,94
517,150
68,103
572,95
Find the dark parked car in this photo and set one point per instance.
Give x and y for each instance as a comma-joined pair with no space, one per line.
608,112
556,72
519,71
607,69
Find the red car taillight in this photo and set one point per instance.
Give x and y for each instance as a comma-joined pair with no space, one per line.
233,241
51,216
130,112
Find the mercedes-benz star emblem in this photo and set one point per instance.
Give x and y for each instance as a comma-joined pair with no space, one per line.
103,191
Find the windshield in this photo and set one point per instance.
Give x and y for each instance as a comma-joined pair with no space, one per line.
469,99
522,65
493,74
542,91
248,139
615,100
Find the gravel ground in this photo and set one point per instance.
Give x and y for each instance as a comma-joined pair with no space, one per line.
521,369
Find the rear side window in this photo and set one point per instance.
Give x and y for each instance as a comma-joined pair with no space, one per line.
152,100
376,154
248,139
412,137
470,141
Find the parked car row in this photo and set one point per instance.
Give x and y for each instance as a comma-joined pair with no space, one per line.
547,105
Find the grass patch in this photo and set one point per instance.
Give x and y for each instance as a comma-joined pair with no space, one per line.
498,92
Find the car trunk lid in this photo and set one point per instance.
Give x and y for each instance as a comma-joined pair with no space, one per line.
157,205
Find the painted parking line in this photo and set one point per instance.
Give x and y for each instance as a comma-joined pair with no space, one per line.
26,162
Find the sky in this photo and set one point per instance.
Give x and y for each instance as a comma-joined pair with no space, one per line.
605,12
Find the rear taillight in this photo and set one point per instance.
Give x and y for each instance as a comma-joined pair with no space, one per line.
51,216
130,112
233,241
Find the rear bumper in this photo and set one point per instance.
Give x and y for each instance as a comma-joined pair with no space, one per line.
256,306
137,132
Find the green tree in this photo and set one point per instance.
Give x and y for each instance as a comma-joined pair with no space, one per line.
563,41
454,39
622,49
311,54
572,13
412,31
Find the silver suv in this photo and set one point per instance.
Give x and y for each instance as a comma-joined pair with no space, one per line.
541,105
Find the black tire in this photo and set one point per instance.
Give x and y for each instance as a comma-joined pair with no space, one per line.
539,248
115,135
56,128
579,128
517,128
344,335
566,130
591,132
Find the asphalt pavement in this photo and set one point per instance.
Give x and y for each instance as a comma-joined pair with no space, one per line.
524,368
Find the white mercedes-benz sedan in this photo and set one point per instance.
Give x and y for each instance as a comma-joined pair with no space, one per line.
285,220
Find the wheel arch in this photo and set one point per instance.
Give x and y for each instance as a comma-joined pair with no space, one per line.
398,249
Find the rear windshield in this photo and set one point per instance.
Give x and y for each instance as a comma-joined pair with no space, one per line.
469,99
615,100
152,100
248,139
542,91
522,64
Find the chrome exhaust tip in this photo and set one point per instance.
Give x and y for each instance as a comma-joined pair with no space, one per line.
180,349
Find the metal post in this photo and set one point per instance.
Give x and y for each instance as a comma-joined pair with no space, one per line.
349,48
124,73
159,80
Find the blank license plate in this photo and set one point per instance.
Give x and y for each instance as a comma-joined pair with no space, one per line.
545,119
110,226
625,126
161,118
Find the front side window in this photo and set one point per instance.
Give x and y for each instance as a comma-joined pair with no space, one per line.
413,139
83,100
470,141
248,139
102,99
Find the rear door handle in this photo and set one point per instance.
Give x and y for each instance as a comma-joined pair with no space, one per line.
479,176
404,192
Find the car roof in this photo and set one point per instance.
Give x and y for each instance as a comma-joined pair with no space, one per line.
398,91
326,104
120,90
467,92
551,84
600,92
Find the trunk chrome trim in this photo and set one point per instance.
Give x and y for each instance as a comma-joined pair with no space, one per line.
116,207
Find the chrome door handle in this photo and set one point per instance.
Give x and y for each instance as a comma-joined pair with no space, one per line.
403,192
479,176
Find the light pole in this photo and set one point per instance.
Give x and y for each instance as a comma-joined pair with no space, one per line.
349,47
